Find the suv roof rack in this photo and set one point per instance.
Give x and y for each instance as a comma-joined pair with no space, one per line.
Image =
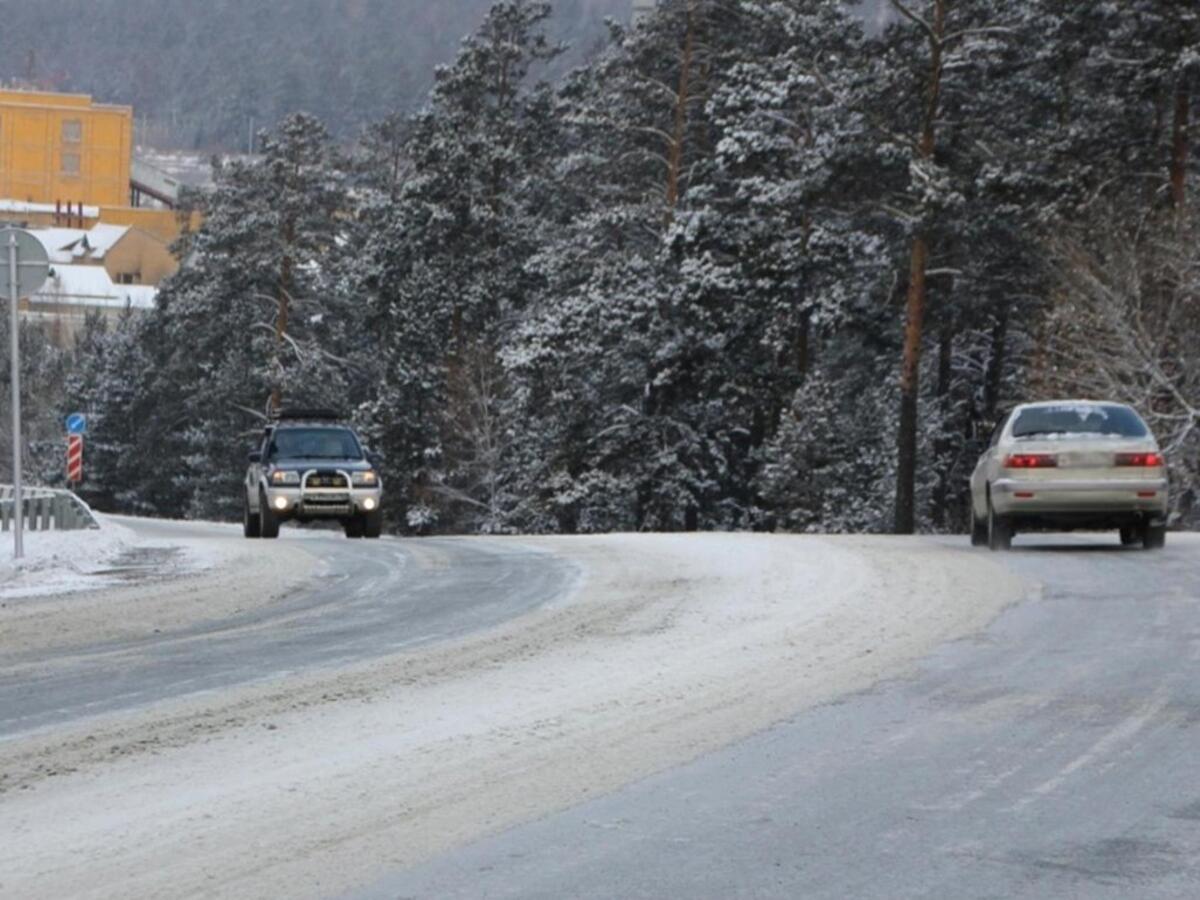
308,415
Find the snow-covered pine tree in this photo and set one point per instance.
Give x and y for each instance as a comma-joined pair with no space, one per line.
615,364
924,81
254,317
445,265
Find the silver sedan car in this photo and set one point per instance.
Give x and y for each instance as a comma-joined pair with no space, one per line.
1070,465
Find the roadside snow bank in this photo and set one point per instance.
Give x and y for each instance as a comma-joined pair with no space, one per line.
134,579
59,562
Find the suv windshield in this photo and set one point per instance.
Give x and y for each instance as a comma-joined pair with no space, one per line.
1079,418
314,443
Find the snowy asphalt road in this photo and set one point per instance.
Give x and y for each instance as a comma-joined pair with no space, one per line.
1054,755
371,599
342,739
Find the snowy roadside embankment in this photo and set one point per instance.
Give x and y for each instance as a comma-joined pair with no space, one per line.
58,562
132,579
671,647
67,562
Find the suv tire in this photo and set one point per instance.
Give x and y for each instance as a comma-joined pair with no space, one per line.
353,527
1154,537
251,524
373,524
269,522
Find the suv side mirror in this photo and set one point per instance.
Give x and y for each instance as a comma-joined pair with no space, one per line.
255,456
375,459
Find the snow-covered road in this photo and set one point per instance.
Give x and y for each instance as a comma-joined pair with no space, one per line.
414,696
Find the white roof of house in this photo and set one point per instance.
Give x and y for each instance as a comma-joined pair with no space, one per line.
55,239
76,285
103,238
68,245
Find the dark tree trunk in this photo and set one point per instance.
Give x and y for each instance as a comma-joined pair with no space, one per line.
284,311
910,373
942,447
682,101
910,383
803,351
994,377
1181,144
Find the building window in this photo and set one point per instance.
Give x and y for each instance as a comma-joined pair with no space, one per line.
70,163
72,131
129,278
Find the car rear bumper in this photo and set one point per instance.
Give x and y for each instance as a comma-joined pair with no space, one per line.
1145,497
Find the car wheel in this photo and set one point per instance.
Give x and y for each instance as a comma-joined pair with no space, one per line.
251,525
353,527
1130,536
373,524
1000,532
1154,537
268,521
979,531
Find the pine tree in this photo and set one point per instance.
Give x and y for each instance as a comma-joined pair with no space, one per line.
446,264
255,317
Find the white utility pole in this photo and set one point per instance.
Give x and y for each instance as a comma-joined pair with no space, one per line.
28,267
14,329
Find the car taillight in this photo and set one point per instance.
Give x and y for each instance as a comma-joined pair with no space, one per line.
1152,460
1031,461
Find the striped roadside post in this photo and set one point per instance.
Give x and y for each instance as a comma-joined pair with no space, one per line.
75,458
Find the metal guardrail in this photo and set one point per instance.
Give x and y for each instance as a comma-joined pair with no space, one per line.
46,510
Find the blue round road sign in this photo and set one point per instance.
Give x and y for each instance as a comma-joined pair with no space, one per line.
77,423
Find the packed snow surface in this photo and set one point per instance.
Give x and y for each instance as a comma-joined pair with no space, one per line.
670,647
65,562
57,562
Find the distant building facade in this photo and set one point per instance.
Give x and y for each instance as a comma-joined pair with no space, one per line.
67,161
64,147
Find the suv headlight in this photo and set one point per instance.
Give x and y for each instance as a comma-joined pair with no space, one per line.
364,479
281,477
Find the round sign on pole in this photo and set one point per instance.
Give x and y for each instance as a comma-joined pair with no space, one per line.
77,423
33,265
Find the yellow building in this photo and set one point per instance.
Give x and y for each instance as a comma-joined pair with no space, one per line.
64,148
67,162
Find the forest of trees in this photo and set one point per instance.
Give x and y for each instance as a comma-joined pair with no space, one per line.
747,267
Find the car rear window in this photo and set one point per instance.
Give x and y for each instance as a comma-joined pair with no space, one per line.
1079,419
314,443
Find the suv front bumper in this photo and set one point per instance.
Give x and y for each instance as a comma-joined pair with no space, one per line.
305,502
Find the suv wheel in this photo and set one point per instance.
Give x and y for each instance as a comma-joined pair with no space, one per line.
353,527
269,522
373,524
1130,536
251,525
1154,537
